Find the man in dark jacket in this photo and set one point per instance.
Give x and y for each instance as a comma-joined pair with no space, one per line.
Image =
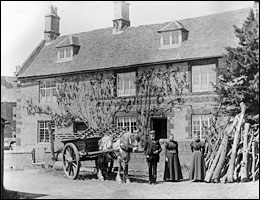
152,149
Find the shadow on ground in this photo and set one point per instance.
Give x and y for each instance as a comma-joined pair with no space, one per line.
9,194
112,176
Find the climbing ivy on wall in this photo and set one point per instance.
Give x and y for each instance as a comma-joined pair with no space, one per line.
92,99
159,91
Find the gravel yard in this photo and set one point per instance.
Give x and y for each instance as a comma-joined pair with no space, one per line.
47,183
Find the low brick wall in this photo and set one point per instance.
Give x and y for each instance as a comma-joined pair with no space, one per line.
14,160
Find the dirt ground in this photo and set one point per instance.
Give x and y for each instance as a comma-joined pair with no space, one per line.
49,184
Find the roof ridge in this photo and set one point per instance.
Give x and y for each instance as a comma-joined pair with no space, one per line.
160,23
139,45
219,13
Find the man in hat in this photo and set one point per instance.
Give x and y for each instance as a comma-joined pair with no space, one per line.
152,149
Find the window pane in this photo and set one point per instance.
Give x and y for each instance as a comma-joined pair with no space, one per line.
202,75
175,38
204,79
43,130
133,124
132,83
53,83
42,84
41,124
42,93
48,84
127,87
127,123
166,38
120,122
61,53
212,77
200,124
68,52
48,93
54,92
195,79
126,84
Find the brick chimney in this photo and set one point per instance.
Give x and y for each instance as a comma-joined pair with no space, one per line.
121,19
256,9
52,25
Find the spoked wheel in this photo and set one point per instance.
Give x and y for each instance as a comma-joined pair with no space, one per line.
71,160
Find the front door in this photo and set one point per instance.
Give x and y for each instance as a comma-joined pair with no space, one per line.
159,125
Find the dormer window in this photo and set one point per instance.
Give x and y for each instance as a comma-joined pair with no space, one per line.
170,38
68,48
172,35
65,53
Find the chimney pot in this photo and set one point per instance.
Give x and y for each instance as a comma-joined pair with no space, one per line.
121,16
52,25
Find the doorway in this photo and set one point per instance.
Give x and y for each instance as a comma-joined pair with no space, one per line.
159,125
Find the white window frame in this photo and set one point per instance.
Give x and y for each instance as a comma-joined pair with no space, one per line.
65,50
170,37
125,85
43,126
50,89
200,119
127,122
203,71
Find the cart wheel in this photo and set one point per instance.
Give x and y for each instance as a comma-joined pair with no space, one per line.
71,161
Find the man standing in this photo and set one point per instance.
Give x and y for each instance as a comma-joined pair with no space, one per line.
152,149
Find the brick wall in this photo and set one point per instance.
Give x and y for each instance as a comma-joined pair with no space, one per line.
178,122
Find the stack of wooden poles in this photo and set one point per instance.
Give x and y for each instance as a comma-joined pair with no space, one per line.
234,157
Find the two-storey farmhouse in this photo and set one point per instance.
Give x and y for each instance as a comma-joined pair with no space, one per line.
194,46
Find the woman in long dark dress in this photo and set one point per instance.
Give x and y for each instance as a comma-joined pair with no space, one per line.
172,170
198,168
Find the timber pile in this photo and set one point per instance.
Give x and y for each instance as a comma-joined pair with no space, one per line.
234,154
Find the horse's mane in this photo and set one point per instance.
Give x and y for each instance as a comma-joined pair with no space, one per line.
104,144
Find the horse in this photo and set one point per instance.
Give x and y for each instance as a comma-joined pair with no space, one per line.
123,147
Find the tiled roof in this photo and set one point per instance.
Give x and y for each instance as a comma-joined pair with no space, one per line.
8,89
69,41
100,49
174,25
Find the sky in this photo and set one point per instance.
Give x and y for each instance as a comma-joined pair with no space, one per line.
22,22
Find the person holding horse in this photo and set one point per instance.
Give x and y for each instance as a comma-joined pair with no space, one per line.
152,149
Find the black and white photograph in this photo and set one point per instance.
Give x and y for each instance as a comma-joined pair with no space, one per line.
129,99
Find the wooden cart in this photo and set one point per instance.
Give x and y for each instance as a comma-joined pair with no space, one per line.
76,149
